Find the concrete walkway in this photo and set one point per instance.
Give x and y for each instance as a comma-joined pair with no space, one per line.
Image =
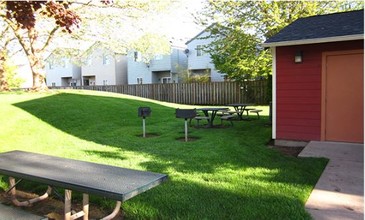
13,213
339,193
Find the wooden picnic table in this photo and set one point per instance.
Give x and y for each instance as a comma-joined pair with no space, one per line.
116,183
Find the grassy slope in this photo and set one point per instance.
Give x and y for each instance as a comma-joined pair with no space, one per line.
226,174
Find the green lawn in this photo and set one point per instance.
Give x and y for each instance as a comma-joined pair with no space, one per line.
227,173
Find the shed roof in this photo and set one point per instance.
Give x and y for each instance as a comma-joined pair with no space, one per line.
321,28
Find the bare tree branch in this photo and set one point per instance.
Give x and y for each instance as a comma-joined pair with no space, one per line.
50,37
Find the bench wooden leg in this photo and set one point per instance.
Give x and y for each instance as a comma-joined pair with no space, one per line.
68,194
16,202
85,205
68,213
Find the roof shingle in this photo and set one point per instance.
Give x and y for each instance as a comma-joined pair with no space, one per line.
322,26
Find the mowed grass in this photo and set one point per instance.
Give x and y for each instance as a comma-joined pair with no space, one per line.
226,173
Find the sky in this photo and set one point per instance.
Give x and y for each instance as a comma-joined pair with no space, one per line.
179,23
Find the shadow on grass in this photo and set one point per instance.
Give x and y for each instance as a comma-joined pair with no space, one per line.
191,200
114,122
106,154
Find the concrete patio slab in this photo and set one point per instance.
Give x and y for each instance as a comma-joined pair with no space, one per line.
339,193
12,213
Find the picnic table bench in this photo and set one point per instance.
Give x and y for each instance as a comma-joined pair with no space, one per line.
112,182
257,111
213,112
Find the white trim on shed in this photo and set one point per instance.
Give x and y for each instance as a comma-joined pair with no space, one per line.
315,40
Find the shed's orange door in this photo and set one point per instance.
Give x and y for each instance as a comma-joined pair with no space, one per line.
343,96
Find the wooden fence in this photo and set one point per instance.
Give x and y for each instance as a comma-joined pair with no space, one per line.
214,93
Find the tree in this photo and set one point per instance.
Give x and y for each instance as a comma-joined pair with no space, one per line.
20,16
4,86
150,45
187,76
5,40
241,26
121,25
10,75
42,26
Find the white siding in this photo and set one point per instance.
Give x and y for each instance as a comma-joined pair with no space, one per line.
113,72
103,73
122,70
157,69
62,73
178,59
163,64
136,70
202,62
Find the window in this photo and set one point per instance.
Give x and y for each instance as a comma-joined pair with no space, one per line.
53,84
199,50
139,80
105,82
51,65
166,80
106,59
159,57
137,56
86,82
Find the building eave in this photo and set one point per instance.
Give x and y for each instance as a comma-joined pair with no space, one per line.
200,33
315,40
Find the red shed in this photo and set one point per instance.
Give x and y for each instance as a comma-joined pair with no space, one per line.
318,79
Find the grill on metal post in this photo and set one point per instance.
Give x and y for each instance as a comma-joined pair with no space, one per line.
144,112
186,114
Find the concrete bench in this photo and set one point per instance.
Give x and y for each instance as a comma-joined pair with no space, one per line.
257,111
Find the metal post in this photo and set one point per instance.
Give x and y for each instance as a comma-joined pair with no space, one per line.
144,127
114,213
27,203
12,187
186,130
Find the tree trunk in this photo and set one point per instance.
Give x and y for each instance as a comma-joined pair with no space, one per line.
3,82
38,68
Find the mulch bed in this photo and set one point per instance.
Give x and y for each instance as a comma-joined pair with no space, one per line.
190,138
149,135
289,151
53,208
286,150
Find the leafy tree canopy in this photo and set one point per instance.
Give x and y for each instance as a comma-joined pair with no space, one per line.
39,27
241,26
24,13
